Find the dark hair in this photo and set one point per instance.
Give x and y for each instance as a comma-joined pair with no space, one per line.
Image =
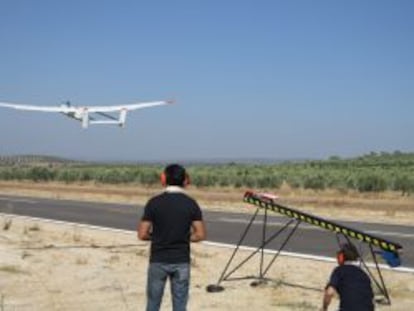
175,175
350,251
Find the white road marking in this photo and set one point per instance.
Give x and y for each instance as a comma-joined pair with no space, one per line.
282,253
309,227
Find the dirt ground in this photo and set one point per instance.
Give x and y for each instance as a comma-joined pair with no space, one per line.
56,266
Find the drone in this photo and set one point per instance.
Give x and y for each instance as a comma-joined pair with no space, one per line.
90,115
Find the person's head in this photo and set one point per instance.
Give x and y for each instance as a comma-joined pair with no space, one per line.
174,175
348,252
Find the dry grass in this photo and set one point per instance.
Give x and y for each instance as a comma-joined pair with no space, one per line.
7,222
94,274
11,269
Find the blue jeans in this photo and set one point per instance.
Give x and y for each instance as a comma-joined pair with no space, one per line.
179,276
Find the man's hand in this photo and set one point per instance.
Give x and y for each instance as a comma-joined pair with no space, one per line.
327,297
198,231
144,230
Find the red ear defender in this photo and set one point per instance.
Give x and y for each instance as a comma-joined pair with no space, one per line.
340,257
186,180
163,179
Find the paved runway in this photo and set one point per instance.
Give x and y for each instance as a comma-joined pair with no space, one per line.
222,227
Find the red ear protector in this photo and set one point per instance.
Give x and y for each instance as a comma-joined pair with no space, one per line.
340,257
187,180
163,179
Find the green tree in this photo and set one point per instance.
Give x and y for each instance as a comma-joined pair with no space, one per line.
315,182
371,183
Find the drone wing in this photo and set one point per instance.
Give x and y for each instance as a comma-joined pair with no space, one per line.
63,109
128,107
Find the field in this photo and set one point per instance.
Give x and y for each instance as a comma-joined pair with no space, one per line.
55,266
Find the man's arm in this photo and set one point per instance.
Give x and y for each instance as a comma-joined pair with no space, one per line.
198,231
144,230
327,297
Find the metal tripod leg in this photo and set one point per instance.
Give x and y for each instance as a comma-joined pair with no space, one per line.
225,276
216,287
263,244
282,246
381,286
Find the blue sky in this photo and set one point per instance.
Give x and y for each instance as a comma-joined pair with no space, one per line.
268,79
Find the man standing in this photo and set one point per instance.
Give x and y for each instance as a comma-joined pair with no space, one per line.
171,220
350,282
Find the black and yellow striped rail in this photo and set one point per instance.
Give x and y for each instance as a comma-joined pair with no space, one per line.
263,202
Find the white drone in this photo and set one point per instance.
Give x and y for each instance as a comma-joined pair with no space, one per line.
82,113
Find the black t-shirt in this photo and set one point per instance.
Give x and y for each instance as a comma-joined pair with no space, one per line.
354,288
171,214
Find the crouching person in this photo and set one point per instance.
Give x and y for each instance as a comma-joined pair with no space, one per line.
350,282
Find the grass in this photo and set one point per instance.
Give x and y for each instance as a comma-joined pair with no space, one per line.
128,192
7,222
34,227
11,269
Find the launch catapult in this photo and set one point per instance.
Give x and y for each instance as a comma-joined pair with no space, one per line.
377,246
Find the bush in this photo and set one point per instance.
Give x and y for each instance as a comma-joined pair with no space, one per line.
149,177
371,183
316,182
405,184
68,176
39,173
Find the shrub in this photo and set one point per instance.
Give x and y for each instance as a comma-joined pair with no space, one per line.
316,182
371,183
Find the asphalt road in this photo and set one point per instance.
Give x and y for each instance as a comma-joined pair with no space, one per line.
221,227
